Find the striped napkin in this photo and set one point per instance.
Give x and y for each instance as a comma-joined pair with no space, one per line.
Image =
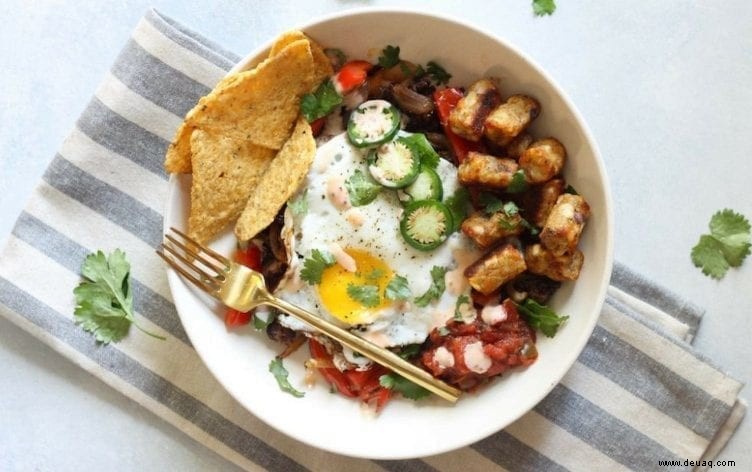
637,395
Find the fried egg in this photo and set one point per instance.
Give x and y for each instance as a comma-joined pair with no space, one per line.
366,243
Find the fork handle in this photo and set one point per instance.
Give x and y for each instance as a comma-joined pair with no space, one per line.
377,354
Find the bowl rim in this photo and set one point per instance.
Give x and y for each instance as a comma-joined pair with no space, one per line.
570,356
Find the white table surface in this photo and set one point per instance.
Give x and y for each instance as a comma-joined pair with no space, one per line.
664,85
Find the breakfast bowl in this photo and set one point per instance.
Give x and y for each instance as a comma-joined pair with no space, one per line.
239,359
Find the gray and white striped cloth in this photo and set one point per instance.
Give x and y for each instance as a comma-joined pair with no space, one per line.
637,394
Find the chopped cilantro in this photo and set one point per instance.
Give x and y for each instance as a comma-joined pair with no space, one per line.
438,73
260,323
321,102
397,289
490,202
518,183
361,189
374,275
570,190
457,205
543,7
541,317
419,146
727,245
461,300
314,266
366,295
389,57
299,206
402,385
280,373
436,289
410,351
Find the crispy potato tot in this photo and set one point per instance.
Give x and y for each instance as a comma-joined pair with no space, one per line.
518,145
510,118
468,116
495,269
280,181
560,267
487,230
486,171
543,160
564,224
224,173
540,200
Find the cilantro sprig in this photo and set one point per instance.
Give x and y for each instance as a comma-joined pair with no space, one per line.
104,301
727,245
457,204
541,317
436,289
389,56
299,206
437,73
518,184
544,7
313,267
361,189
321,102
366,295
402,385
277,368
397,289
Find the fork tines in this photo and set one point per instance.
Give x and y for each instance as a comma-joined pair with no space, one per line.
201,265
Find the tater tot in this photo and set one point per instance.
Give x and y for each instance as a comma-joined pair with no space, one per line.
487,230
543,160
468,116
511,118
495,269
561,267
564,224
486,171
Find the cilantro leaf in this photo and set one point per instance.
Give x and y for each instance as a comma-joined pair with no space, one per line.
570,190
321,102
277,368
461,300
727,245
436,289
374,275
541,317
421,147
518,183
366,295
361,189
438,73
397,289
457,205
402,385
490,202
708,256
299,206
314,266
259,323
410,351
104,302
389,57
544,7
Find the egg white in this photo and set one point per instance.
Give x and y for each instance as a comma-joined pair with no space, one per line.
327,221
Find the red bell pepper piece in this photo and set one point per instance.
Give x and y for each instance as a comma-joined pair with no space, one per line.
352,75
446,100
317,126
251,258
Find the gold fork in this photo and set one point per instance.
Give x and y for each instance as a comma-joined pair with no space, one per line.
243,289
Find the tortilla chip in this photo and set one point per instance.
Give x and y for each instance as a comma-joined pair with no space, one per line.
321,64
178,157
225,171
280,181
260,105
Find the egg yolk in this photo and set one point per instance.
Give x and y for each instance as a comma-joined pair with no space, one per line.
335,280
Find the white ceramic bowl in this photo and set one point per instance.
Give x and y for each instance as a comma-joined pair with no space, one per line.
405,429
